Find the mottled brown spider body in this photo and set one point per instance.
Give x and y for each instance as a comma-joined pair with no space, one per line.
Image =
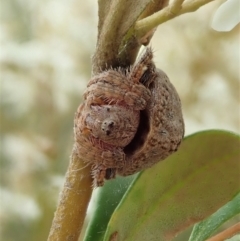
129,120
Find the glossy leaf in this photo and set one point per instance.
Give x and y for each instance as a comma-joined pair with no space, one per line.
104,203
204,229
184,189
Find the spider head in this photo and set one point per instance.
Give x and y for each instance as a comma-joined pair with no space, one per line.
115,125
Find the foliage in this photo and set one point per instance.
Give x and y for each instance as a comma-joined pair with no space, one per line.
173,195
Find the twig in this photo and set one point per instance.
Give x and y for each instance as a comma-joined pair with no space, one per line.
143,26
73,203
226,234
115,19
176,6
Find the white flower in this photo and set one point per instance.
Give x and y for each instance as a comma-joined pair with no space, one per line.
227,16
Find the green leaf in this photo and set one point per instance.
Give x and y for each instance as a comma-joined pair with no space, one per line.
204,229
107,198
184,189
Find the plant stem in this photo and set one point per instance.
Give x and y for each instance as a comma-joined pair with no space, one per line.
115,19
73,203
226,234
143,26
176,6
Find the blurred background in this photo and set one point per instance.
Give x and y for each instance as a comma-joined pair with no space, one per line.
45,58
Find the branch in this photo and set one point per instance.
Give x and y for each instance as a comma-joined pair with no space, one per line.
142,27
226,234
73,203
176,6
130,45
115,19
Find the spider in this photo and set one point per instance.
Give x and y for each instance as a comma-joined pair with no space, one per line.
129,120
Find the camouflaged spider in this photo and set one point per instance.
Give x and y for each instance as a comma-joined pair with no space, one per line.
129,120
